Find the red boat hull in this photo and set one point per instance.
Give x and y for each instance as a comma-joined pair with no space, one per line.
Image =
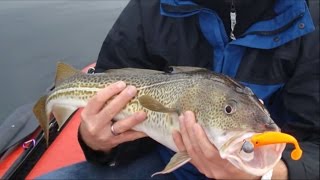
64,150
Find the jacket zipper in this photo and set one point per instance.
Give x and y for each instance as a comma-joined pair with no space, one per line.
233,19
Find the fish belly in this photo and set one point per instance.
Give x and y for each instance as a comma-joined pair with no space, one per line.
158,126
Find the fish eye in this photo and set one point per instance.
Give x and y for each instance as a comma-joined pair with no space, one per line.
230,107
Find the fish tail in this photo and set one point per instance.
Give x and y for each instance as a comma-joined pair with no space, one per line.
39,110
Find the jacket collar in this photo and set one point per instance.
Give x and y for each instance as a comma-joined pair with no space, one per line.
179,8
287,12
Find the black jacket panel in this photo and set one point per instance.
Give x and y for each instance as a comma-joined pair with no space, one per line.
153,41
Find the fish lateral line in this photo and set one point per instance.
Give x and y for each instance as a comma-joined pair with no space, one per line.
269,137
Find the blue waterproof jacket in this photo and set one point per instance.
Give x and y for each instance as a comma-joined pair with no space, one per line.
278,58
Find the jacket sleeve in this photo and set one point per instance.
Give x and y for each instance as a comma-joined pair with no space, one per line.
122,154
94,156
301,98
125,44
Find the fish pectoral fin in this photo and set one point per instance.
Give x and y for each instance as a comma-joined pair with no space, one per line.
39,110
178,160
152,104
62,113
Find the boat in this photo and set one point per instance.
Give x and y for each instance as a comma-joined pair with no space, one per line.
26,155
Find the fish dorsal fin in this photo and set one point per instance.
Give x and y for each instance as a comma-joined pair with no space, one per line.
64,71
62,113
39,110
178,160
137,71
152,104
186,69
133,71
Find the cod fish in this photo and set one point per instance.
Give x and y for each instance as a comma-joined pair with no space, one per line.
229,113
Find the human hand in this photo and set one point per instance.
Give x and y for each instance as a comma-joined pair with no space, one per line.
204,155
96,118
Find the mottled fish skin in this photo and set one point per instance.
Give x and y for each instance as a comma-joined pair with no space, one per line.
205,93
82,87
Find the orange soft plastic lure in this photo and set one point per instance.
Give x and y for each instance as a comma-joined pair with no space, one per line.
275,138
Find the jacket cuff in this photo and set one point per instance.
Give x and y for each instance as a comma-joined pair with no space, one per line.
296,169
95,156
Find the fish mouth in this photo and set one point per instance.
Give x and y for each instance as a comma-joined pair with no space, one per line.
259,161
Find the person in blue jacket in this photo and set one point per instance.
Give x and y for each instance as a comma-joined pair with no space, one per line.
271,46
